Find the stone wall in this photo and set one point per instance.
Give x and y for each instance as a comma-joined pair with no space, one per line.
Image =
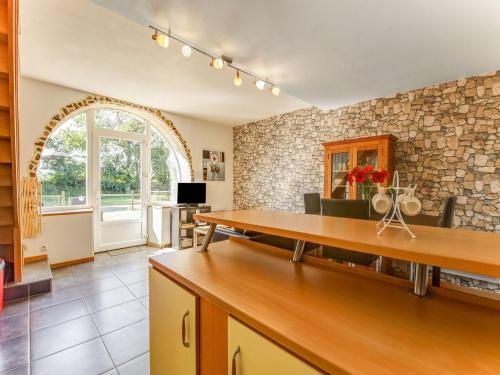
448,144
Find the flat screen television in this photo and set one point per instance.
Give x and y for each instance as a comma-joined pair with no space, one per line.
191,193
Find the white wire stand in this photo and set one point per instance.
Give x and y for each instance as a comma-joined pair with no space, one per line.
393,218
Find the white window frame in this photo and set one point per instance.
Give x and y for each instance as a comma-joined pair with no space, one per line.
184,174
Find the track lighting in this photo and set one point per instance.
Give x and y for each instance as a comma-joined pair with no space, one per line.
163,39
186,50
259,84
237,78
218,63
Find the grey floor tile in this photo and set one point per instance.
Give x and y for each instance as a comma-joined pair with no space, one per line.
62,336
14,326
117,317
100,285
61,272
134,276
145,301
90,358
140,289
129,342
57,314
85,275
109,298
112,372
55,297
125,267
63,282
14,353
21,370
137,366
10,308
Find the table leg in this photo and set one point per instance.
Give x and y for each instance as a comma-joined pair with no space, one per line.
421,279
299,250
208,237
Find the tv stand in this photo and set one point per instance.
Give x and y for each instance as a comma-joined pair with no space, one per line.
183,224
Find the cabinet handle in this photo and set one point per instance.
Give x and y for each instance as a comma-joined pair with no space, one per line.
185,329
233,363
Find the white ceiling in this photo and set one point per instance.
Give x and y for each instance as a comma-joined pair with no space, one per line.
328,53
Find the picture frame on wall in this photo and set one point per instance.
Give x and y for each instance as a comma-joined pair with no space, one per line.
213,166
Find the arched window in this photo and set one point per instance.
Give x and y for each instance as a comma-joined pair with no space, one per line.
130,153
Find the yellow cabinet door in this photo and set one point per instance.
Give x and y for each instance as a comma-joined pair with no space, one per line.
172,327
252,354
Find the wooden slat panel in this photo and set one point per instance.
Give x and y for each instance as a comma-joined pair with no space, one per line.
6,216
5,175
6,197
4,94
4,60
5,153
213,339
4,23
4,124
6,235
7,253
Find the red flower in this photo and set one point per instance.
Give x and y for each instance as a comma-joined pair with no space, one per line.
353,174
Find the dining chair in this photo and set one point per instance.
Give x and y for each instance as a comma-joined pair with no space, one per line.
351,209
312,203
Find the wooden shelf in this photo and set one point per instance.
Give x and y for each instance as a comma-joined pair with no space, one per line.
4,94
5,153
465,250
5,175
337,319
6,235
6,216
6,197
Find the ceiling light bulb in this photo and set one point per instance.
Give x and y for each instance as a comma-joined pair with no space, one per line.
237,79
218,63
186,50
275,90
163,40
260,84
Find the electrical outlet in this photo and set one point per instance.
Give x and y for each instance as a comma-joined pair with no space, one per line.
43,249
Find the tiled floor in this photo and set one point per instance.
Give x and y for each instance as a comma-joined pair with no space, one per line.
94,322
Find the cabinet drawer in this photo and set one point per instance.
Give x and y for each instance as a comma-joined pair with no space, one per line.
173,327
250,354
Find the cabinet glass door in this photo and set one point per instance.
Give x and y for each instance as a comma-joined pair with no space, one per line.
366,157
340,171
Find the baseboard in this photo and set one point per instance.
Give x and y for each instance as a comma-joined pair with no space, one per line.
73,262
35,258
157,245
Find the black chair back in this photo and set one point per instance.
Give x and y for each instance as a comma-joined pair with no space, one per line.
448,212
348,208
351,209
312,203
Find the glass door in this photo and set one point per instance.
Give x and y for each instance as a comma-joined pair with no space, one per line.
340,172
367,156
120,205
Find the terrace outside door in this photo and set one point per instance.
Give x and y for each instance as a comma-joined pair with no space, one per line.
119,190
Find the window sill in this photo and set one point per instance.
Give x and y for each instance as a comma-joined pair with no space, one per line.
68,212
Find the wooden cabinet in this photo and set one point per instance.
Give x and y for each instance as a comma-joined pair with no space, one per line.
250,353
173,327
342,156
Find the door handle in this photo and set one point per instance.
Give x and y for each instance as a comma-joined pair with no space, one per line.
185,329
234,370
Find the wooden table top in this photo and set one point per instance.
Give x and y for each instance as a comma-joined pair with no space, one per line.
475,252
336,319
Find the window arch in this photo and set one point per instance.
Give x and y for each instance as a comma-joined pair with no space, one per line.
63,157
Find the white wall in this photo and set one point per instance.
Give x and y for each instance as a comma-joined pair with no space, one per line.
66,237
39,101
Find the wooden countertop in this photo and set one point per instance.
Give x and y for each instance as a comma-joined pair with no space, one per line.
475,252
336,319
